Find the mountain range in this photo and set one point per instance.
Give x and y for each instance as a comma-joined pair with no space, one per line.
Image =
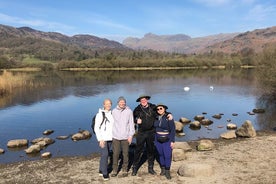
35,42
227,43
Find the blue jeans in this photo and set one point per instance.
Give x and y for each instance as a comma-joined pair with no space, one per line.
104,157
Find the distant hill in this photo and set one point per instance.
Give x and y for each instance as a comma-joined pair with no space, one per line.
179,43
256,40
227,43
86,41
53,46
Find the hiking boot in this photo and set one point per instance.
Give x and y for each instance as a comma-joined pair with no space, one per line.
162,173
134,171
168,174
151,171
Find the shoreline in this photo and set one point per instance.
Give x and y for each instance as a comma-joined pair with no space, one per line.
241,160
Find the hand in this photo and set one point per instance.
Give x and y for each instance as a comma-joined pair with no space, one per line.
129,140
172,145
139,121
102,143
170,116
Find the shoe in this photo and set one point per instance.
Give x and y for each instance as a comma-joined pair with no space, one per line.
151,171
162,173
168,174
124,174
134,172
106,177
100,173
113,174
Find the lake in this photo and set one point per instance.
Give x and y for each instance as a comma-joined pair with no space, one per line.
66,102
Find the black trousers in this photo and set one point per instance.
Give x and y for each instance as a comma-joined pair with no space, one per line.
143,138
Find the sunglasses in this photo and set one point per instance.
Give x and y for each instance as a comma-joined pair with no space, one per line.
160,108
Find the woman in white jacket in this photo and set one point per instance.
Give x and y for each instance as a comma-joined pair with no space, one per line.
103,130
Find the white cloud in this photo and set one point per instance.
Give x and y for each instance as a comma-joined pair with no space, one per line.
33,23
213,2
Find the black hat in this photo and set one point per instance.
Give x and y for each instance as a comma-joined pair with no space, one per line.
142,96
164,106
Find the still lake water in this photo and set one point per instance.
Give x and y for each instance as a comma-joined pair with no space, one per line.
66,101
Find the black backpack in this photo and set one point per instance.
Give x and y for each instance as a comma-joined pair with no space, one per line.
93,122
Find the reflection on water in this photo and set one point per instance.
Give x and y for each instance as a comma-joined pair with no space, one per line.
66,101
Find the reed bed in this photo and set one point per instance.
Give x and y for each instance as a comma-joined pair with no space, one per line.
10,81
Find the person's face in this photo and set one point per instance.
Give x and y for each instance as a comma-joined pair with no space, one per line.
122,104
160,110
107,105
144,101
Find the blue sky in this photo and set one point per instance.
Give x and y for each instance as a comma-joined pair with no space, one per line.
118,19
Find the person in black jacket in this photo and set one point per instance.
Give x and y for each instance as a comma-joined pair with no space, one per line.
144,117
164,139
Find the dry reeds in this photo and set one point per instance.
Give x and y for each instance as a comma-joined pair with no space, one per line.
9,81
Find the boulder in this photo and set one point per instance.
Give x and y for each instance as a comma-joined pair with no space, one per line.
195,125
258,110
217,116
2,151
62,137
229,135
81,135
231,126
234,114
184,120
48,132
178,154
206,122
182,145
246,130
178,126
195,170
47,140
205,145
17,143
33,149
180,134
199,117
46,155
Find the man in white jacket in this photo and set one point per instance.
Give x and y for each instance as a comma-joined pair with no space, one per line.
123,131
103,131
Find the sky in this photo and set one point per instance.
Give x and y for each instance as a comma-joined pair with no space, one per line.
119,19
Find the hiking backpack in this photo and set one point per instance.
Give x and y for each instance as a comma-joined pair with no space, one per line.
94,119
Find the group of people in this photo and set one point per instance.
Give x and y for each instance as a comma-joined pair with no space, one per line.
115,129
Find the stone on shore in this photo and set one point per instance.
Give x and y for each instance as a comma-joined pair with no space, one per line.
182,145
62,137
258,110
246,130
43,141
46,155
195,170
229,135
178,154
205,145
17,143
